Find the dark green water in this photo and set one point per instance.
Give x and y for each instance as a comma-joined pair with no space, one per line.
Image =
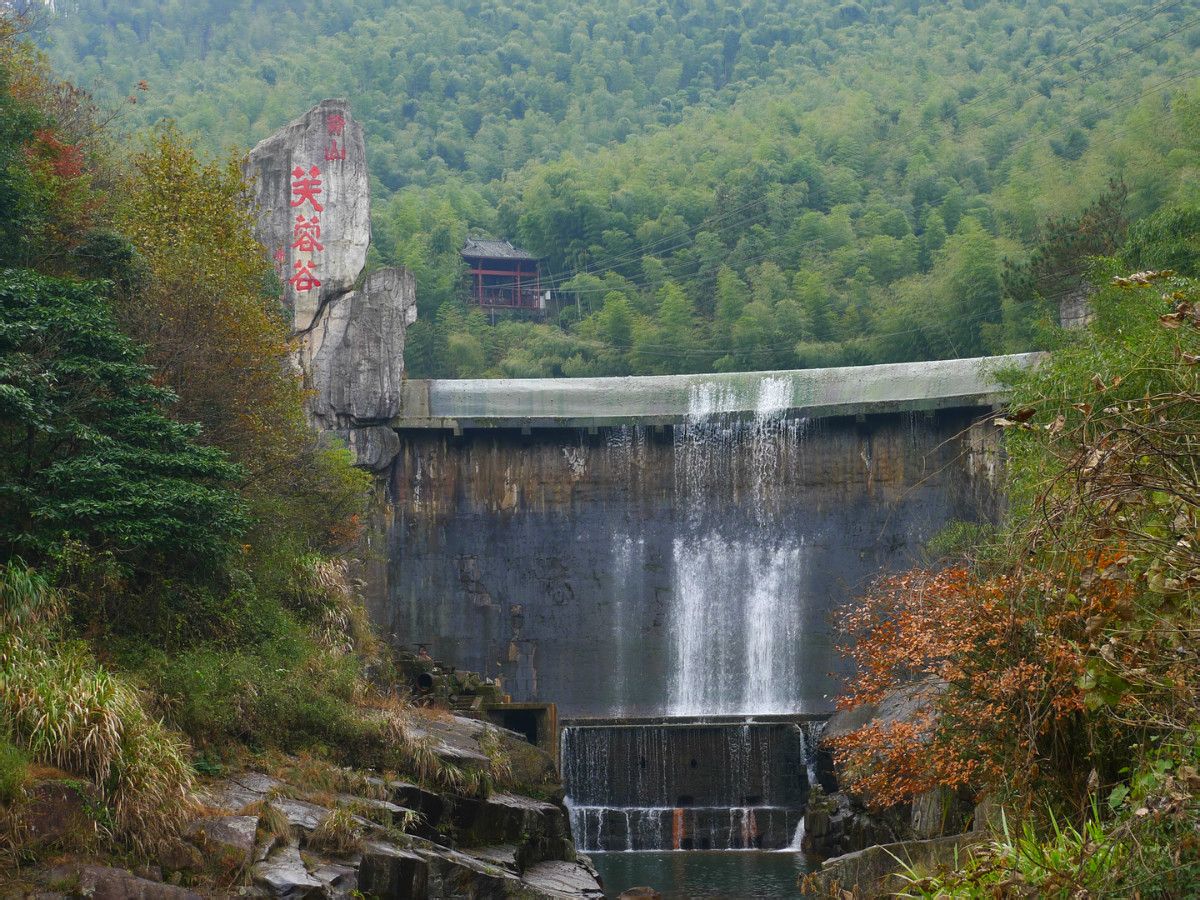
729,874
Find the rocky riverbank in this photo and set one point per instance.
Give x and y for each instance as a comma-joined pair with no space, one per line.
314,831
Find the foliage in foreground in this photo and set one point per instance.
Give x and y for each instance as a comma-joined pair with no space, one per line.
88,452
1129,855
173,589
1065,660
66,710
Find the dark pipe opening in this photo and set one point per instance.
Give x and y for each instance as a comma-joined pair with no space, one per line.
425,681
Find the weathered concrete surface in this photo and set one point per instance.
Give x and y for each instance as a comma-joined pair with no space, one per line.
668,399
562,561
342,207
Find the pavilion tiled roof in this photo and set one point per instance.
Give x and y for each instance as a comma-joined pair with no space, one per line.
488,249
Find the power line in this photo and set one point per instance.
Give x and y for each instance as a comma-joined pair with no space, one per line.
817,243
613,263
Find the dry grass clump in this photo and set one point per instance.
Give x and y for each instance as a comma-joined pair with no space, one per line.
26,600
66,710
338,833
336,616
272,823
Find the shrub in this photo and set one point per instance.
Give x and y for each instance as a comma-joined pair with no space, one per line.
92,454
1066,656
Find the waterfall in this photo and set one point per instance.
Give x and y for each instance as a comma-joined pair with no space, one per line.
737,597
711,776
798,837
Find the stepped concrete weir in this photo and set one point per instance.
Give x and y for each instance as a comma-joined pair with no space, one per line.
667,547
715,783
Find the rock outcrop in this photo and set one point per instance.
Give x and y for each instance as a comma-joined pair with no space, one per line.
354,834
357,350
413,841
312,195
295,183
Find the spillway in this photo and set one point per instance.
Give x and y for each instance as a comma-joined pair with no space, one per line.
688,784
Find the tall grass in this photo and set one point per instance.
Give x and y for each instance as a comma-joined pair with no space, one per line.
326,600
1066,863
26,599
66,710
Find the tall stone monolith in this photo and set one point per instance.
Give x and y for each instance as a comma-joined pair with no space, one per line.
312,194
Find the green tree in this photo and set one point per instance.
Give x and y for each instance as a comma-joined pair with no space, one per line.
89,453
732,296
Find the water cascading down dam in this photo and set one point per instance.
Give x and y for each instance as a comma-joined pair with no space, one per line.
661,557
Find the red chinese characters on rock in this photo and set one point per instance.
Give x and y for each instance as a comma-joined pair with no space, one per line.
306,186
305,278
307,235
335,125
334,153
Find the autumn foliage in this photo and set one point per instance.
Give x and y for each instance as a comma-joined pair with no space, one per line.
1000,656
1061,665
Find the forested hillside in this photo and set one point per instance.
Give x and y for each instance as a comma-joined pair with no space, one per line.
764,185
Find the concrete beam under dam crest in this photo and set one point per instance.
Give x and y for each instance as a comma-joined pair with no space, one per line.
671,399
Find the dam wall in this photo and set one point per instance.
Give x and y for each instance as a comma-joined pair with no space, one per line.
679,556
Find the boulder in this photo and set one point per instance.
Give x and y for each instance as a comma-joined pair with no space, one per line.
412,796
373,446
315,167
340,881
874,872
227,841
383,810
502,855
58,812
905,704
283,875
239,791
104,883
455,739
301,814
940,812
558,878
392,873
453,874
460,740
640,893
836,824
357,350
538,830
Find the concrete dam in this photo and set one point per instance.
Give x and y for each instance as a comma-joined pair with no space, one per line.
662,557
